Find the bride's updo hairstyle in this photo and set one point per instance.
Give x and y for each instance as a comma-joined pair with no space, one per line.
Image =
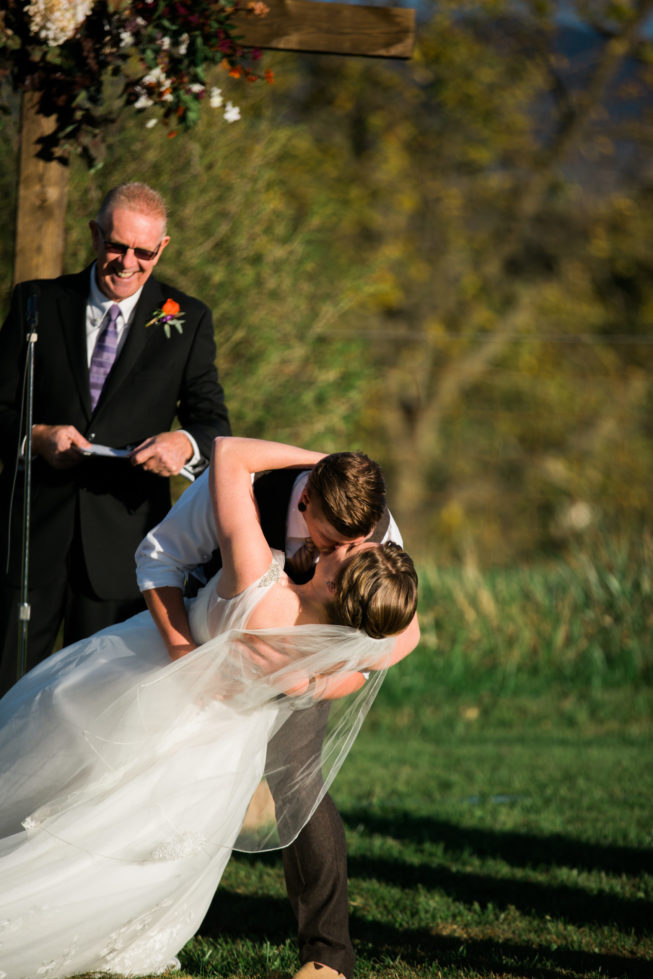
350,490
376,592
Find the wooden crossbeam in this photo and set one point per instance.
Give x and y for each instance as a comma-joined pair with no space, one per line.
331,28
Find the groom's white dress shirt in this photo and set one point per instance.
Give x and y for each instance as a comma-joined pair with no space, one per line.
187,536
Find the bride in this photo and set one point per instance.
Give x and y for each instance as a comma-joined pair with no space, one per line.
125,777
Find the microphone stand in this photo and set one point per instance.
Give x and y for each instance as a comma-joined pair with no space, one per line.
24,608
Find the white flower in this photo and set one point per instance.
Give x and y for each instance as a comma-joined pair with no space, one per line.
182,47
196,88
215,98
150,123
231,113
156,77
165,43
143,102
55,21
126,39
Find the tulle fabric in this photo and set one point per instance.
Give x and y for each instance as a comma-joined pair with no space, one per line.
126,778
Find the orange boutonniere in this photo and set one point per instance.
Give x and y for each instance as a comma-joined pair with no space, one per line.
168,315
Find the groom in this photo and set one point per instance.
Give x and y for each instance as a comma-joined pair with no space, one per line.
341,501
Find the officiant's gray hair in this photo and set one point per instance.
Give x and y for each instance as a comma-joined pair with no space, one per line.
134,196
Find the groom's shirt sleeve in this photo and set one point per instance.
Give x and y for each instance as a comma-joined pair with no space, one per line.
185,538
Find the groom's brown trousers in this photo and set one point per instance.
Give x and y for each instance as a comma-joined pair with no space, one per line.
315,864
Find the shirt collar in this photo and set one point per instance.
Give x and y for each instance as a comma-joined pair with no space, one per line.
296,528
102,303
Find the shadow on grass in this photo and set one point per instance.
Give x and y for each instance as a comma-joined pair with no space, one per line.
516,849
248,916
419,947
262,919
572,904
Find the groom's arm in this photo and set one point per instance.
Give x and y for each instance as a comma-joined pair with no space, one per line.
184,539
167,607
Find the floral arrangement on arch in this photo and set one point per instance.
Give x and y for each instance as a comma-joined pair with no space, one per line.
67,50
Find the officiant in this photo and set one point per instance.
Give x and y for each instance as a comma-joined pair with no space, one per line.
119,356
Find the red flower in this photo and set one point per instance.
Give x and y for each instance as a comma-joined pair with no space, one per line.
168,316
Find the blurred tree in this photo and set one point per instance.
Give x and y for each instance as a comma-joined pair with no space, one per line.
445,262
488,203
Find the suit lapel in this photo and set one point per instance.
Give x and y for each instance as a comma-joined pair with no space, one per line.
138,337
71,307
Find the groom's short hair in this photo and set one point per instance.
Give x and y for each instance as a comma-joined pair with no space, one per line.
350,489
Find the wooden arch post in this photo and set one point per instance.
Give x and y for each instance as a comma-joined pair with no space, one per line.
42,201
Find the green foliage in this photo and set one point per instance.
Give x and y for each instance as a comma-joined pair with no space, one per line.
159,50
444,262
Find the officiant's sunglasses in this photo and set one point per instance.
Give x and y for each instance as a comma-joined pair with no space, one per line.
117,248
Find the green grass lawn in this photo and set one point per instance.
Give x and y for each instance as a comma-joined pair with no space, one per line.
474,851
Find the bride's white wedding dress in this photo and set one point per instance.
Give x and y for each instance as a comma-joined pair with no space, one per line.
125,778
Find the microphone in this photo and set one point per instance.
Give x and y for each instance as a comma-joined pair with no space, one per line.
33,309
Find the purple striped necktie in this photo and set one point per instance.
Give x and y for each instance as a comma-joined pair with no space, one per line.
104,354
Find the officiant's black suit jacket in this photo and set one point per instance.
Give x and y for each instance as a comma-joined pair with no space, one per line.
106,504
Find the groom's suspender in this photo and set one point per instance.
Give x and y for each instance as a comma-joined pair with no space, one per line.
272,493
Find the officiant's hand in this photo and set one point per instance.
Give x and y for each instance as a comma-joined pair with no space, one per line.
59,445
164,454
